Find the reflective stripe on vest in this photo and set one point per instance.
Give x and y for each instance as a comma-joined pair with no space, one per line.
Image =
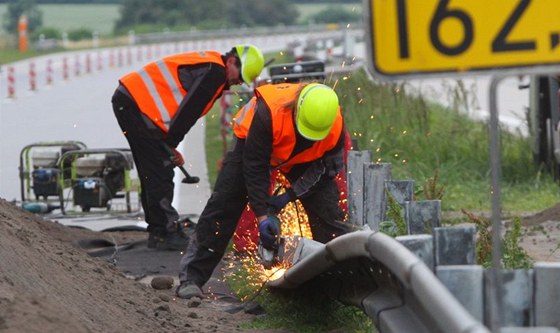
243,119
156,87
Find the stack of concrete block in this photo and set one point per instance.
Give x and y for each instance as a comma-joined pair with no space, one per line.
530,299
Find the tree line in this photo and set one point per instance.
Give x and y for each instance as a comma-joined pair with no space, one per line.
153,15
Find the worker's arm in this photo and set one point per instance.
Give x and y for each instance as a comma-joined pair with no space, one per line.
201,83
256,160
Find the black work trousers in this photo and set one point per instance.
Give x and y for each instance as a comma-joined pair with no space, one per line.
221,214
153,163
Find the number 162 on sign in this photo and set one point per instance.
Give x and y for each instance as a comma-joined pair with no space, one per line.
411,37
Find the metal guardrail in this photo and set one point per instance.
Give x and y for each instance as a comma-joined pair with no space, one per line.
389,283
172,36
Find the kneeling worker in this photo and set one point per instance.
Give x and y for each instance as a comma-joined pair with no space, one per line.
296,128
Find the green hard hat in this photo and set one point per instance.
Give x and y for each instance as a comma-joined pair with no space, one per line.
317,108
252,62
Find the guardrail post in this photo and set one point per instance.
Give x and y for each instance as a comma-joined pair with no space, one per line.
517,297
421,245
355,178
466,283
547,294
422,216
401,190
455,245
375,175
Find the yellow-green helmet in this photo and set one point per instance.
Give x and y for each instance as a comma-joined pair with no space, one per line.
252,62
317,108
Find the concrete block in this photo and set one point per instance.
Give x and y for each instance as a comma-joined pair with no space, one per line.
547,294
401,190
422,246
466,283
455,245
355,180
422,216
375,175
517,298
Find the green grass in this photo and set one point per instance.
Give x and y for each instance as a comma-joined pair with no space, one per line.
302,310
419,138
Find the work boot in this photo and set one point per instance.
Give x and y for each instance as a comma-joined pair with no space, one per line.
188,290
152,240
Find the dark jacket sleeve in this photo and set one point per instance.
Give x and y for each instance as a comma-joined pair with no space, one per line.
327,166
201,82
256,159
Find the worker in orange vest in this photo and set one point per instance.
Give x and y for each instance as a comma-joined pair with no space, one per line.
157,106
295,128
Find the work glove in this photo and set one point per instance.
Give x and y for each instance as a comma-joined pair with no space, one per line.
269,230
277,202
177,158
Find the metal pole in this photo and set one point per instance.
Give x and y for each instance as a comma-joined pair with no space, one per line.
496,277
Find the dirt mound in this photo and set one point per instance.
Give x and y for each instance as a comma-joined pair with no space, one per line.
49,285
549,214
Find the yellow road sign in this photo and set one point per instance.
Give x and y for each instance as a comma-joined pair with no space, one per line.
415,37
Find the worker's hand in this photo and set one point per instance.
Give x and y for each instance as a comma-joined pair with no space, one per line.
269,230
277,202
177,158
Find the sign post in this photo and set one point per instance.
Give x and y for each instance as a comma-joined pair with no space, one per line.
419,38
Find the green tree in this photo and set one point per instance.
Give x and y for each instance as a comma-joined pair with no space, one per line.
261,13
15,9
207,14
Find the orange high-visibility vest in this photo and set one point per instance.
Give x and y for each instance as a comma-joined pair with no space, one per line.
156,87
283,128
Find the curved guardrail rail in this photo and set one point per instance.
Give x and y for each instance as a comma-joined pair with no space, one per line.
376,273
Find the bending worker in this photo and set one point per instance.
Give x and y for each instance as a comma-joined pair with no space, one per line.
157,106
296,128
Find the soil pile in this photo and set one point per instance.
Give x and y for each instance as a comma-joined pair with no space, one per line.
49,285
